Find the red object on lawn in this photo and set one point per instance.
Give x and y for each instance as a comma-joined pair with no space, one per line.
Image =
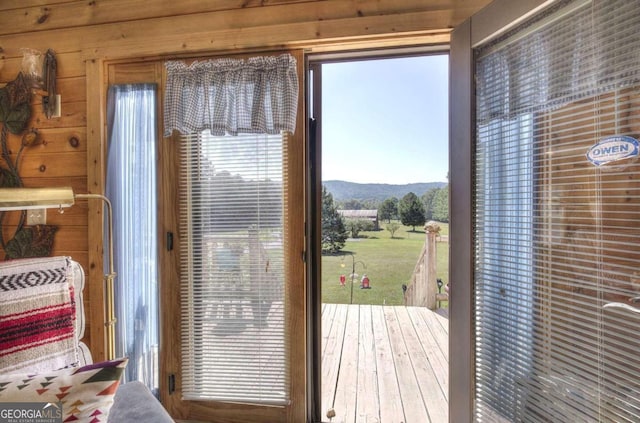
365,282
343,279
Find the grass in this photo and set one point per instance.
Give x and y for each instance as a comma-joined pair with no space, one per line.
389,263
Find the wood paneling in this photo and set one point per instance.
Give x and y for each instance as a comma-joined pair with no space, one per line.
73,115
236,13
70,64
85,13
51,142
133,73
58,165
297,24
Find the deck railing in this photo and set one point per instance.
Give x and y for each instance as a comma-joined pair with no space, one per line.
422,290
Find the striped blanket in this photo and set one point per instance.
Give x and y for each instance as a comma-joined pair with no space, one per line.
37,313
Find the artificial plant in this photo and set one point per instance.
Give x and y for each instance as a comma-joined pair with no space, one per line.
15,113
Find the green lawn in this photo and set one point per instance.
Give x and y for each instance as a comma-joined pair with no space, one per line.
389,264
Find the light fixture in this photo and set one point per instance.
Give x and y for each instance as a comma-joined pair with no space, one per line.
60,197
35,198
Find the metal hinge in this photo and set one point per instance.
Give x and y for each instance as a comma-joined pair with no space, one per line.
169,241
172,383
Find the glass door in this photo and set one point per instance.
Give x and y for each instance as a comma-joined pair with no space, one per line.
553,213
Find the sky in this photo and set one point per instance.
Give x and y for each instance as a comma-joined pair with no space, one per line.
386,120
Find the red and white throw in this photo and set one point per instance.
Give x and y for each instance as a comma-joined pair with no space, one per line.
37,315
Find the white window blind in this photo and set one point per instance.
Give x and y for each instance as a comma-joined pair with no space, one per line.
557,237
232,260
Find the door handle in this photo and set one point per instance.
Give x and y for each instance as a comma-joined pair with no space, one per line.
624,306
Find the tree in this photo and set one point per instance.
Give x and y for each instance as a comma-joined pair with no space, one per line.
355,226
411,211
352,205
393,228
388,209
334,233
246,202
427,200
441,205
370,204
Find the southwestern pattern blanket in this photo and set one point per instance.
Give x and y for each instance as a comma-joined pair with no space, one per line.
37,315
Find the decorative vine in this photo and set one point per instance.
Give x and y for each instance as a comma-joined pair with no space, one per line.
15,112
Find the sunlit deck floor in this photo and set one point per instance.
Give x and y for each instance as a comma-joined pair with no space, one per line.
386,364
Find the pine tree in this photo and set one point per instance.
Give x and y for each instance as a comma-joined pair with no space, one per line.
334,232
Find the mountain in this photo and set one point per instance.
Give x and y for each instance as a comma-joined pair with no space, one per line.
343,190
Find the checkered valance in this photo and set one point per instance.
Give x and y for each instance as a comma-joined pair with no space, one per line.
258,95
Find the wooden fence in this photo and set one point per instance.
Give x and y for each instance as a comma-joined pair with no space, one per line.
422,290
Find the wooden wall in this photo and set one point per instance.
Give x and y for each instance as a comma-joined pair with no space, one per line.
88,34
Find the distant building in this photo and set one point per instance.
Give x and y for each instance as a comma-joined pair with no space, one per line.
371,215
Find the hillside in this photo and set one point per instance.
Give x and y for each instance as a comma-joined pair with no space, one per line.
343,190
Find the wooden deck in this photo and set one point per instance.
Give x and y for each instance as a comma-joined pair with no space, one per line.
385,364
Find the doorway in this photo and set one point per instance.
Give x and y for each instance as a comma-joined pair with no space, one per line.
376,137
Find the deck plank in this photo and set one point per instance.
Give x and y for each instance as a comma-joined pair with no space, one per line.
437,358
389,392
347,387
442,315
384,364
440,332
423,368
331,357
328,314
412,403
368,402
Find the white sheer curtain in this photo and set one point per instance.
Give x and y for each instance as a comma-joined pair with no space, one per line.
131,187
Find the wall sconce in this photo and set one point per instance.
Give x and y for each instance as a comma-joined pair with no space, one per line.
41,71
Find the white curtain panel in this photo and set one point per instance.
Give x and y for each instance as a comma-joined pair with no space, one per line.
131,187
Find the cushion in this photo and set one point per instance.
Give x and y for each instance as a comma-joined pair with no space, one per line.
135,403
37,315
86,393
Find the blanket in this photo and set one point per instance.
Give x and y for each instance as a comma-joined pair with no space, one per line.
37,315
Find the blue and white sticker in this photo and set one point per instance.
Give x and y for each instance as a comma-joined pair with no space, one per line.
611,149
